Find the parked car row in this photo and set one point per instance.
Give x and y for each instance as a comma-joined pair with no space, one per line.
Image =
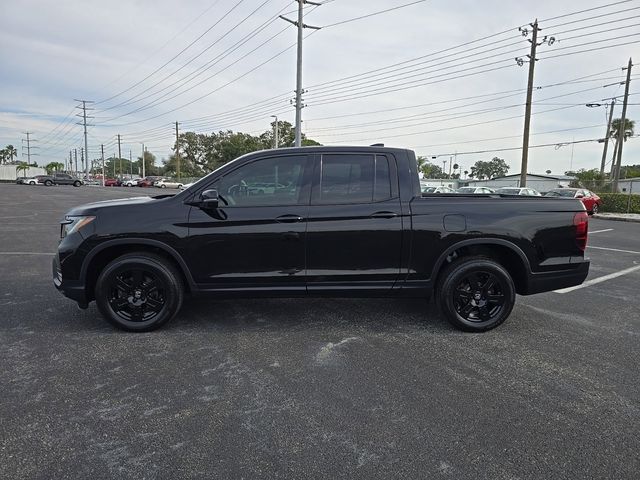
591,201
49,180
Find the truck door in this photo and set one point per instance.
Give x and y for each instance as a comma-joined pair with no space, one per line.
256,238
354,230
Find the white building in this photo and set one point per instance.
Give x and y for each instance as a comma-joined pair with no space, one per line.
10,173
542,183
439,182
629,185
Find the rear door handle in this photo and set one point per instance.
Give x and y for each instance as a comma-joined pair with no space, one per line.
289,219
383,215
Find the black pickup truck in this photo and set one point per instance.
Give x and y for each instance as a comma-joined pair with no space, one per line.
59,179
319,221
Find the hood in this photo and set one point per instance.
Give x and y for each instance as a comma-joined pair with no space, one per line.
96,207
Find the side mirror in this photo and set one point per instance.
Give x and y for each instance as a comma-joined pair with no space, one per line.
209,199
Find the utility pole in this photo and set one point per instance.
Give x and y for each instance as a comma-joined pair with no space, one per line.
177,152
527,112
130,164
275,132
29,147
70,169
103,169
82,159
113,157
75,155
622,128
606,138
143,172
84,123
301,26
119,155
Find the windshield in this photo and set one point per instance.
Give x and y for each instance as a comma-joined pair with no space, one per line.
509,191
561,193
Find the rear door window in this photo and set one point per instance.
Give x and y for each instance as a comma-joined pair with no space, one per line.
354,178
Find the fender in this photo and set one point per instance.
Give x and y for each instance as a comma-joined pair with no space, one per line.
137,241
480,241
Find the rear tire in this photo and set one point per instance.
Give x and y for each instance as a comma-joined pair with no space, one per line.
48,183
594,209
139,292
76,183
475,294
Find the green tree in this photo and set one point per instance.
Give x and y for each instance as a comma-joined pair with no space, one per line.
11,153
53,167
587,178
150,167
428,169
482,170
286,136
22,167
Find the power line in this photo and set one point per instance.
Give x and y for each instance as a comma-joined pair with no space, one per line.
235,5
211,45
373,14
600,7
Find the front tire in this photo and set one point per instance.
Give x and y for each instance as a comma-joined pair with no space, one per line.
48,183
594,209
475,294
139,292
76,183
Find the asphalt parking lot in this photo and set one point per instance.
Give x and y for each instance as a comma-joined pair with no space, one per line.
368,388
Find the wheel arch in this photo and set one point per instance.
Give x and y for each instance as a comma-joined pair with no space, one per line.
506,253
101,255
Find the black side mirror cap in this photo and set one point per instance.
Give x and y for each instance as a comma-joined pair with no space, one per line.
209,199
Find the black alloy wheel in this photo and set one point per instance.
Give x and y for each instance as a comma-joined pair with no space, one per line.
136,295
475,293
139,292
48,183
479,296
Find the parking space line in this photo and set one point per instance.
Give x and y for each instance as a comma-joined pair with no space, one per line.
595,281
614,249
605,230
26,253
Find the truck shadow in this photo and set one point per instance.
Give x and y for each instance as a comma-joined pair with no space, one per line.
380,314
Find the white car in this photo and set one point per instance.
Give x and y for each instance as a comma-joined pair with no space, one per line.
132,182
529,192
475,190
164,183
30,181
186,185
440,189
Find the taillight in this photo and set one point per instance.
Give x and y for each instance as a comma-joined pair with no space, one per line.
581,222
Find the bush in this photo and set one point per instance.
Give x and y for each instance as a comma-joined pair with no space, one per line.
618,203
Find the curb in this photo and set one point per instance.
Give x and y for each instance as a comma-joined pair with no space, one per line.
616,218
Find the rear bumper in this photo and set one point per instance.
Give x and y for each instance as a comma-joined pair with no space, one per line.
71,289
575,274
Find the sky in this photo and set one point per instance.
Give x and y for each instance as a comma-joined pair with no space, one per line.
439,77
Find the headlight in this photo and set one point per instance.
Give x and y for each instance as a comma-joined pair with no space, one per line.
72,224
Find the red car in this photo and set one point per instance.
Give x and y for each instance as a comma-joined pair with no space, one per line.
591,201
145,182
112,182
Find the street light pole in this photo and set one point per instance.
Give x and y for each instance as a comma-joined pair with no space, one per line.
275,133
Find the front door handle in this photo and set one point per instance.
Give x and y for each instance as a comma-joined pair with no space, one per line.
383,215
289,219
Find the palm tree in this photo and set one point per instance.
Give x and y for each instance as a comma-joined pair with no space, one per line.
54,167
3,156
616,126
22,166
11,153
